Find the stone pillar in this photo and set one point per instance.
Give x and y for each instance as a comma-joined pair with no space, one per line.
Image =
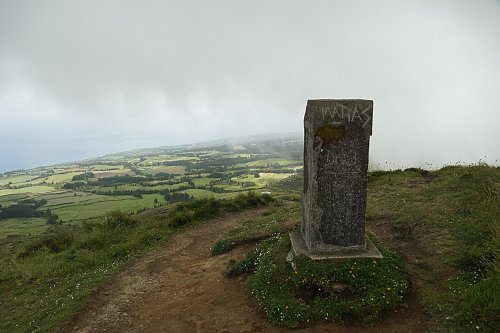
336,141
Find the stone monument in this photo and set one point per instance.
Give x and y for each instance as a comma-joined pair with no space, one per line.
336,141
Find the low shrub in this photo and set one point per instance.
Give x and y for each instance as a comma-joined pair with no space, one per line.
249,200
118,219
180,217
220,247
204,209
54,240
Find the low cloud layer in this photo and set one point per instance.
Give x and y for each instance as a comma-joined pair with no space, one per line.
83,78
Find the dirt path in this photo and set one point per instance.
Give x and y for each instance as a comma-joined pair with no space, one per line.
181,288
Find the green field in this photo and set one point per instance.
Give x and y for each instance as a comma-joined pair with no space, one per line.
264,178
175,169
37,189
97,207
102,167
79,204
90,199
199,193
444,223
61,177
203,181
67,197
15,179
271,162
22,226
111,173
12,198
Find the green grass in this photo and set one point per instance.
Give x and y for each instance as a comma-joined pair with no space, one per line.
61,177
264,178
293,297
207,208
450,220
101,167
279,220
166,158
94,208
22,226
180,170
48,278
271,161
203,181
200,193
111,173
453,214
292,183
37,189
73,209
234,187
10,199
15,179
54,273
350,291
444,223
68,197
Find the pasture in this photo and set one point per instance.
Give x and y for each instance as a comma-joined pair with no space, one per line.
100,205
443,224
174,169
62,177
22,226
264,178
88,199
37,189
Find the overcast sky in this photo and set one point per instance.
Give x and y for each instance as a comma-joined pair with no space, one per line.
84,78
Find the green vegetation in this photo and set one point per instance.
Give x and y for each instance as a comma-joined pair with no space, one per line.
444,224
204,209
343,290
28,208
451,215
46,280
97,206
278,221
16,227
49,277
32,189
354,290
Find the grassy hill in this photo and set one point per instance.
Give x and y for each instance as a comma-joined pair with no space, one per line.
102,213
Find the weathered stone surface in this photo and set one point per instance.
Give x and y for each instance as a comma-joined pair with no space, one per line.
299,247
336,142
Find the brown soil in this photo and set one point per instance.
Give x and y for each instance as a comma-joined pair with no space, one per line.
181,288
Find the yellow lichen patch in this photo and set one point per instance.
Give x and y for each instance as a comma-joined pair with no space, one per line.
330,133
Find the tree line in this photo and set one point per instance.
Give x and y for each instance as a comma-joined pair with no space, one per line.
29,208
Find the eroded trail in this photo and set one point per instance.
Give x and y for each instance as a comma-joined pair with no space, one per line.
181,288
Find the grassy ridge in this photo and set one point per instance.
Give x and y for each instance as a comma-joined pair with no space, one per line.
452,215
47,279
446,223
448,219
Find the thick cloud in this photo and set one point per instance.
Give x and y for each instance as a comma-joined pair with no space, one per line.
83,78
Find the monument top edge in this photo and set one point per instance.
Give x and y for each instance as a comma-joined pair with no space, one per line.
339,100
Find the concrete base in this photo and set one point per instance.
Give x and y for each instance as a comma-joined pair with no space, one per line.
299,247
